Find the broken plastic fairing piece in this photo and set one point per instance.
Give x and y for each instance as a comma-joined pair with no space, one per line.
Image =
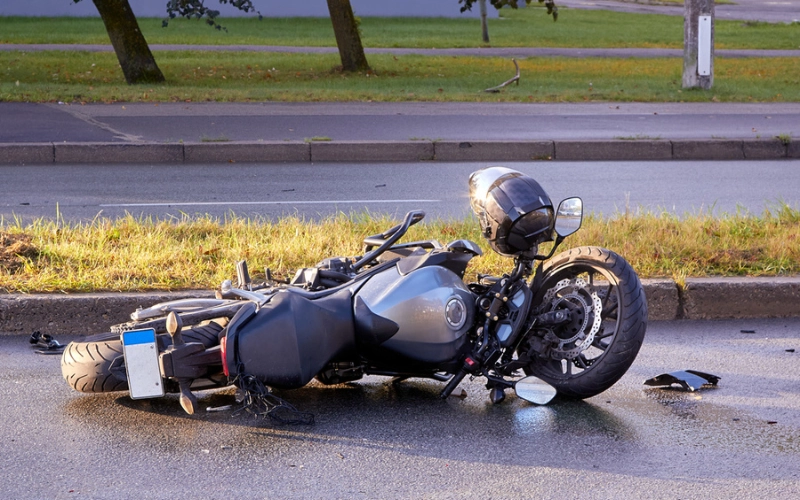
690,380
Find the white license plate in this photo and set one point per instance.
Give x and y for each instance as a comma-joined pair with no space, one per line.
141,362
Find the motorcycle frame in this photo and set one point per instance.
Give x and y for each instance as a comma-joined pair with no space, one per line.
182,361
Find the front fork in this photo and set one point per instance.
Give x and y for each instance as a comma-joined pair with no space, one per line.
485,358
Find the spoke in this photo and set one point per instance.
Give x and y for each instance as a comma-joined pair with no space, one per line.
601,336
608,295
600,345
609,308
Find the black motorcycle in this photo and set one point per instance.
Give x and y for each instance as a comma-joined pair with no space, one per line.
567,325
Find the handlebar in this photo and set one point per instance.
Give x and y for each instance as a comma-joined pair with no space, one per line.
387,238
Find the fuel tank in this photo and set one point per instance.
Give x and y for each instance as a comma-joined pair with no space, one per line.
429,309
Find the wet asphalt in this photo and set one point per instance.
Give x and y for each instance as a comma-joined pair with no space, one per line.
373,440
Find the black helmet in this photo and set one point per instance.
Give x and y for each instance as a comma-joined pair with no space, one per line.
514,211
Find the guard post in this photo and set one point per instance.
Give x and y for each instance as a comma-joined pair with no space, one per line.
698,44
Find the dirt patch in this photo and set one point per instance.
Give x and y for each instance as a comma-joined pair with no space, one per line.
14,249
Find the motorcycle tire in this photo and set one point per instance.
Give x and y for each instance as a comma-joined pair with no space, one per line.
593,279
96,364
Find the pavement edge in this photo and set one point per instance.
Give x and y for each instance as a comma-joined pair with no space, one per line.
622,149
697,298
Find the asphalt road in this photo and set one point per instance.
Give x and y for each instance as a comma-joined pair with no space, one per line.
80,193
174,122
371,440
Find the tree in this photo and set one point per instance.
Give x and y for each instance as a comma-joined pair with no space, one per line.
484,23
345,25
499,4
137,62
139,66
348,38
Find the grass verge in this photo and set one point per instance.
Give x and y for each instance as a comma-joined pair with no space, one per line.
528,27
241,77
131,254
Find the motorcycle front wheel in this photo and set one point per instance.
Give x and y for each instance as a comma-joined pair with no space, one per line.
608,312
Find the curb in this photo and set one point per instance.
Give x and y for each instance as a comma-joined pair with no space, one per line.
698,299
397,151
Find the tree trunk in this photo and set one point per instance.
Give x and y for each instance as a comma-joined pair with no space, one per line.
692,11
347,38
137,62
484,23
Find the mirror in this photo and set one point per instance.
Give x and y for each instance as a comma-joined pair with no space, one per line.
534,390
569,216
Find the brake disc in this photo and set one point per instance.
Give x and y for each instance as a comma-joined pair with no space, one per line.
575,292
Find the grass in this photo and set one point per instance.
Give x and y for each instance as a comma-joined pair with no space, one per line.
131,254
528,27
235,76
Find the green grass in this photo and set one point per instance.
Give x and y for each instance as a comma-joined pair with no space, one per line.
198,76
131,254
528,27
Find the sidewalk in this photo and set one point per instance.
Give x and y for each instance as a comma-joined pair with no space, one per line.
386,132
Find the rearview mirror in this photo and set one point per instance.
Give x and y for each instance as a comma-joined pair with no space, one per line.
534,390
569,216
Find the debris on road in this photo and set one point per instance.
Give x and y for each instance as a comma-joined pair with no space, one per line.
690,380
45,343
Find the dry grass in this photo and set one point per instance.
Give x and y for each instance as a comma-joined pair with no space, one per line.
129,254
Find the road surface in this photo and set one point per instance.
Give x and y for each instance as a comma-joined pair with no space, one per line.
372,440
82,192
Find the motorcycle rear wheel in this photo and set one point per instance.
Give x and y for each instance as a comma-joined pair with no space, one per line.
96,364
590,280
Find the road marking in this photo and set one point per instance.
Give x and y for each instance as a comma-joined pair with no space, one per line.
216,203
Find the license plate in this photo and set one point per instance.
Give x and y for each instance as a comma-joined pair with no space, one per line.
141,363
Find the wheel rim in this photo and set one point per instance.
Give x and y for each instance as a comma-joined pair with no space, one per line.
594,298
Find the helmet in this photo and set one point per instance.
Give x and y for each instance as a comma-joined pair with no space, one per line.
514,211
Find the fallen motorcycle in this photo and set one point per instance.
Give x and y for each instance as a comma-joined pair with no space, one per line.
567,325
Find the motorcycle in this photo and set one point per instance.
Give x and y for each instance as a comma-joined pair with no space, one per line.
568,325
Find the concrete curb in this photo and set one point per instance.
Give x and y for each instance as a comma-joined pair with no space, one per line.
700,298
396,151
371,151
228,152
77,314
104,152
493,150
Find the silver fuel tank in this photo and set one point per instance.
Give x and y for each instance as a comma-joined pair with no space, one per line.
431,306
